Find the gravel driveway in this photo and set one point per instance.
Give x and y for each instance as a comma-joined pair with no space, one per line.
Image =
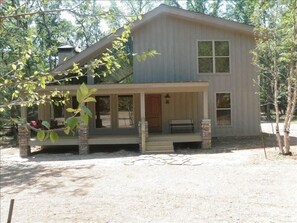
230,183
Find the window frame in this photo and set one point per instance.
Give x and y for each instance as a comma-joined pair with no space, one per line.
52,111
110,111
223,109
213,57
117,111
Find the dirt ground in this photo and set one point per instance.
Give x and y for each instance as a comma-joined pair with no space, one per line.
232,182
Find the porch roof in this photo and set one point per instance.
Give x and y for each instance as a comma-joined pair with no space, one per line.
105,89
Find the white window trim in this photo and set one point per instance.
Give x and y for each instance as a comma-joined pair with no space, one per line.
213,57
216,109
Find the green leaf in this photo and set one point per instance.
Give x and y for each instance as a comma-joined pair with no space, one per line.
84,90
46,124
92,91
90,99
85,119
86,110
54,136
72,122
14,67
43,82
67,130
40,135
46,136
79,96
71,110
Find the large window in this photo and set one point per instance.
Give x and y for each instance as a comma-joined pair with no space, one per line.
223,109
213,57
103,118
57,112
125,111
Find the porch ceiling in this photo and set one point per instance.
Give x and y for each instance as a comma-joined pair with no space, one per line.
137,88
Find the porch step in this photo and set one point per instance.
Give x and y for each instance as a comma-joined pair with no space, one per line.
159,147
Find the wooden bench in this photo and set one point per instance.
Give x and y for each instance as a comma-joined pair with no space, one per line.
181,126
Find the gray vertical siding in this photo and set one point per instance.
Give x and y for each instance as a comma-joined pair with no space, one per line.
182,106
176,41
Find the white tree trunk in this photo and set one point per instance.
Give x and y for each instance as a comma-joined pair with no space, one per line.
291,104
276,94
292,88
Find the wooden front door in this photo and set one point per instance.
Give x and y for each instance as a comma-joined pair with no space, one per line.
153,112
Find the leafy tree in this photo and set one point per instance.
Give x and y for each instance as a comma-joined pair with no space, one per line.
240,10
30,32
207,7
276,56
197,6
88,17
140,7
174,3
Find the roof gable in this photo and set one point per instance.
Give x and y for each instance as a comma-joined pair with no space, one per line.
194,17
99,47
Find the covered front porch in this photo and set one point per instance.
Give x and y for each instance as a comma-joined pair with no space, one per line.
118,139
157,142
154,107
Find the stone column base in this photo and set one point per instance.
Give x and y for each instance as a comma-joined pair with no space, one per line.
143,135
23,138
206,133
83,144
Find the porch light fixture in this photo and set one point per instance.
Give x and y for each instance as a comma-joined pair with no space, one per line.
167,98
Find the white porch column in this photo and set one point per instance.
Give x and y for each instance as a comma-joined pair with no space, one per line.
91,106
142,107
90,78
143,125
205,124
205,104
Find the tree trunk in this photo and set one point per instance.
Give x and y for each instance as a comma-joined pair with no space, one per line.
276,94
292,88
291,101
279,138
277,133
287,143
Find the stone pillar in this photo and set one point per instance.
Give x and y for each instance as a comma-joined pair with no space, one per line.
83,144
23,138
206,133
143,135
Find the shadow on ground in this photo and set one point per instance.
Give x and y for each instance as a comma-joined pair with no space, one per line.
20,176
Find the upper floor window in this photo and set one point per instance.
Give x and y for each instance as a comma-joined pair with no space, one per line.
213,57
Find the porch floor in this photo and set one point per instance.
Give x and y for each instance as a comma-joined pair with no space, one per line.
119,139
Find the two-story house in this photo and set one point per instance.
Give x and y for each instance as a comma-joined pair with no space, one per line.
201,85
